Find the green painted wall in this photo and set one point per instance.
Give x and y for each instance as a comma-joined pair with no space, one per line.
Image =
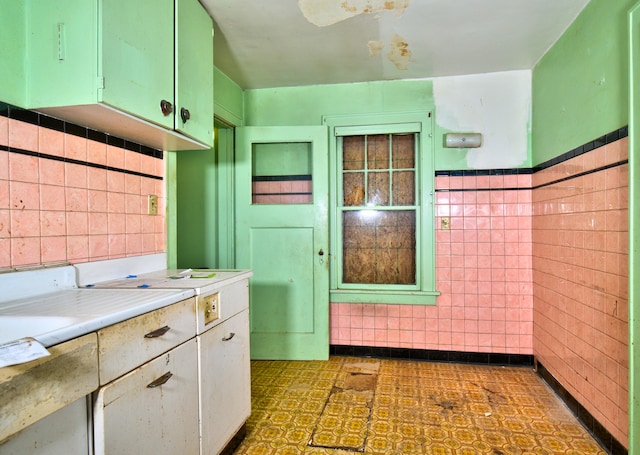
12,50
580,87
228,99
198,231
292,106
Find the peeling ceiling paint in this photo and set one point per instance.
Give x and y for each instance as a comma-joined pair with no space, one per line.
328,12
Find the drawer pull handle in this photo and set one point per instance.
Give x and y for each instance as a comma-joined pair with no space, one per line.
160,381
231,335
158,333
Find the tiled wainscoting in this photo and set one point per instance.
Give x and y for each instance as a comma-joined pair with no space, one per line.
580,277
69,194
483,272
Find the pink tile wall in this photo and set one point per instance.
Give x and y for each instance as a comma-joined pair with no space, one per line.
55,211
282,192
580,264
483,271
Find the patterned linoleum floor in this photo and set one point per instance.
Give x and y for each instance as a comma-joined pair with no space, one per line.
355,405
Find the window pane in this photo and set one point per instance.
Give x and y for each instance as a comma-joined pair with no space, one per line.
403,150
378,151
353,153
378,188
404,188
353,189
282,173
379,247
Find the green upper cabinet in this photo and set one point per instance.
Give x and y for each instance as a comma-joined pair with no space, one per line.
194,64
138,69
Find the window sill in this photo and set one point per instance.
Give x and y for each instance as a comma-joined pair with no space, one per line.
386,297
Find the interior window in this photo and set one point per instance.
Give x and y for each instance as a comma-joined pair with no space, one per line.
382,242
379,209
281,173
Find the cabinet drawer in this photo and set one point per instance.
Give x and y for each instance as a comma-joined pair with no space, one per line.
230,300
151,410
33,390
129,344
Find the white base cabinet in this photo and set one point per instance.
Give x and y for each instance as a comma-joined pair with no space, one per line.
151,410
64,432
225,385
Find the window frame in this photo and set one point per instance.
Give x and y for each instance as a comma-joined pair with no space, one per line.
424,290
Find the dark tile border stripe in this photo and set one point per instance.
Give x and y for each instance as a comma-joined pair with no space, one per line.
484,172
482,358
281,178
599,432
45,121
81,163
282,194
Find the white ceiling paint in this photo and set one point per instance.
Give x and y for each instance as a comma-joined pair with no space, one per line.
279,43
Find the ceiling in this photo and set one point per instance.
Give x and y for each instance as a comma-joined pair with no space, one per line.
277,43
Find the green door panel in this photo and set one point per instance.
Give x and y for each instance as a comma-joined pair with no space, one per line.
289,291
194,70
284,307
136,58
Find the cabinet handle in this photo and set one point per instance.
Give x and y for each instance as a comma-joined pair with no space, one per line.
166,107
158,332
185,115
160,381
231,335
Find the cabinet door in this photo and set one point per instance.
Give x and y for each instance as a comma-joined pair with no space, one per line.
136,56
63,432
194,71
136,414
225,384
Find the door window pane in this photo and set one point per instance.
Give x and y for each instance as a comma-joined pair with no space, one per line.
281,173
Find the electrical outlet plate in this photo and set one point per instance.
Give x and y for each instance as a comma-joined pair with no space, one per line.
152,204
445,224
211,306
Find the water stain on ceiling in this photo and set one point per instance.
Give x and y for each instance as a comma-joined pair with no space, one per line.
323,13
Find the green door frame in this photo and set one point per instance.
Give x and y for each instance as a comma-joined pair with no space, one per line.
634,229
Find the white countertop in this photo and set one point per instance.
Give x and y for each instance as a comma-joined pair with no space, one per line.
202,281
47,304
62,315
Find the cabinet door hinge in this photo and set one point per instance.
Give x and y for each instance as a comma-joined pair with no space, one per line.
100,82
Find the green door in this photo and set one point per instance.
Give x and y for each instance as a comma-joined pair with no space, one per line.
282,234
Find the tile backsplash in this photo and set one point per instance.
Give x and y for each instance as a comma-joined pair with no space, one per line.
72,195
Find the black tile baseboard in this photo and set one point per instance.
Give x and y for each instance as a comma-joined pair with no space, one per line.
599,432
482,358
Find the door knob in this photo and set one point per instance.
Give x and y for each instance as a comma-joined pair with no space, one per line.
321,252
